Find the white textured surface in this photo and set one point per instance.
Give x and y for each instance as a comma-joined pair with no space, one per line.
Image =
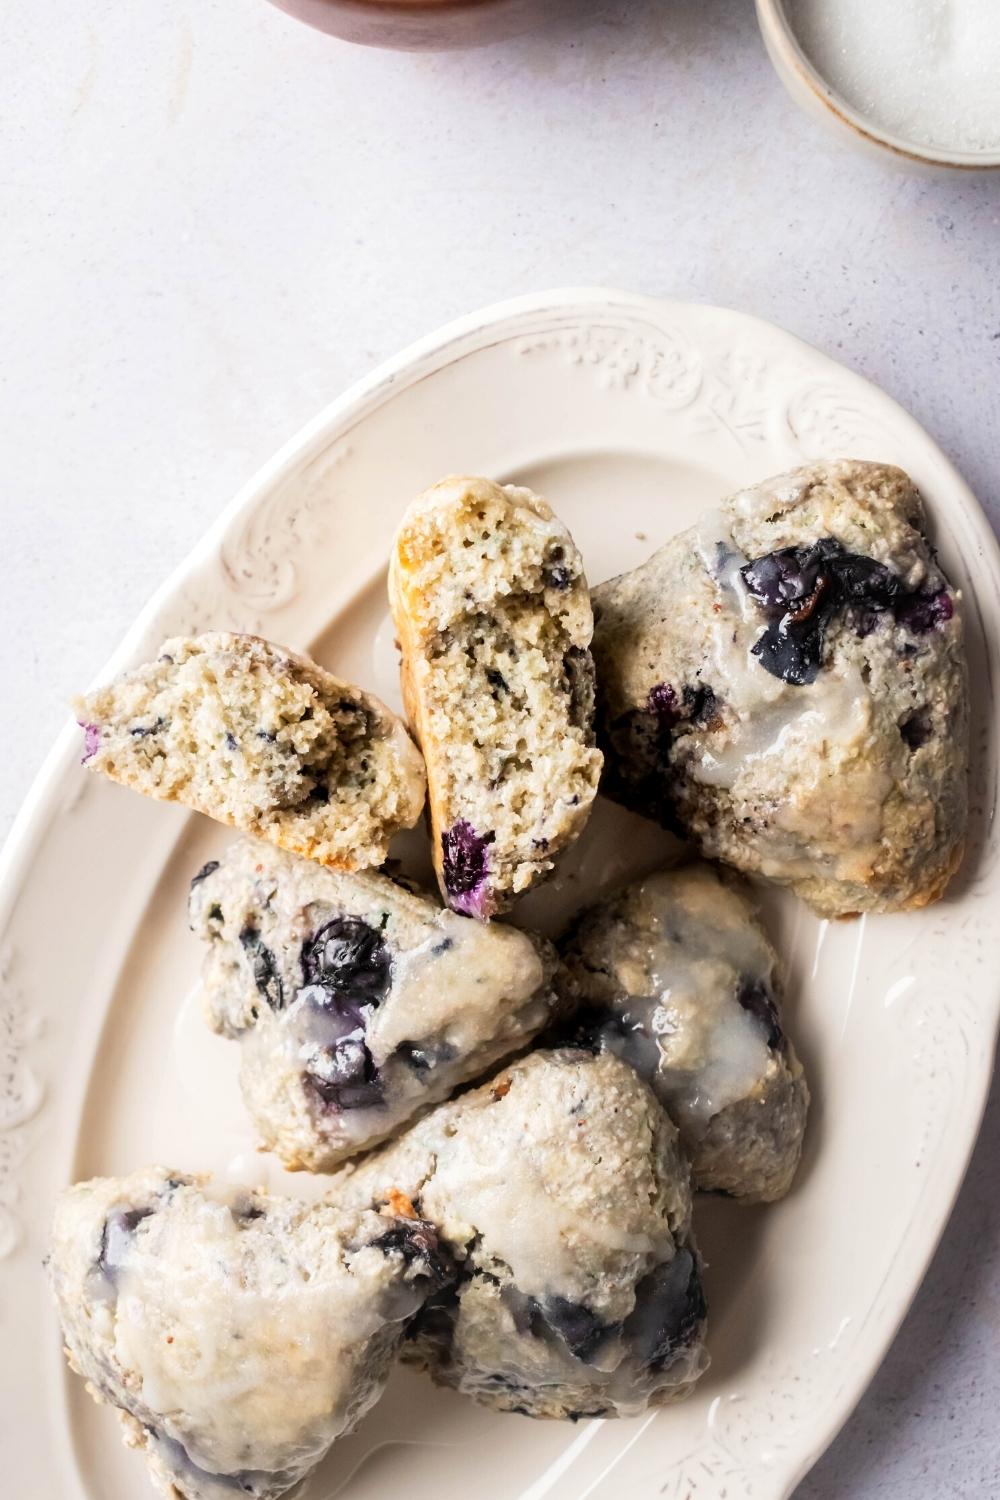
215,219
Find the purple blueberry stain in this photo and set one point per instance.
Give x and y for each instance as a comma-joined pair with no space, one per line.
91,740
921,612
664,705
465,863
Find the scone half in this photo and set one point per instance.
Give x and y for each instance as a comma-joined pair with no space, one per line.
262,739
494,623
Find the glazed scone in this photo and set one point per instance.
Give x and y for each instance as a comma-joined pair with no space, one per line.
561,1193
494,623
239,1335
262,739
675,975
356,1003
786,682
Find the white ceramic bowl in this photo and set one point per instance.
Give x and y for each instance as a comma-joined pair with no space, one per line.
813,94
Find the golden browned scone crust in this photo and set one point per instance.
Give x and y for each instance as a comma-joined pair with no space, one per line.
494,624
262,739
787,683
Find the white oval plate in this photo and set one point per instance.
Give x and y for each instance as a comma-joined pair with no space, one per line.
630,415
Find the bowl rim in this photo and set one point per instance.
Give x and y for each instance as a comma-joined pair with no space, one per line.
779,32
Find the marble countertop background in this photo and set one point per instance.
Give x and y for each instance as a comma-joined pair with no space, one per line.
215,219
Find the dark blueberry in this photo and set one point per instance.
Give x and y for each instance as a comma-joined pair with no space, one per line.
755,997
419,1245
575,1324
270,735
443,946
556,1317
800,589
264,967
578,676
423,1056
557,578
466,866
344,1076
139,731
921,612
793,654
349,959
700,703
116,1238
668,1313
496,679
205,872
916,728
581,1416
231,742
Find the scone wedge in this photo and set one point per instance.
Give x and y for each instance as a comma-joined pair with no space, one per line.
786,684
561,1192
238,1334
357,1003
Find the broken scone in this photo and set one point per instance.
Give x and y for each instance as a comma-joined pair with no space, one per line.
494,622
262,739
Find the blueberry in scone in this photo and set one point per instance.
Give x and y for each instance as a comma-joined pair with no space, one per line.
494,622
675,975
356,1002
786,684
262,739
238,1335
560,1191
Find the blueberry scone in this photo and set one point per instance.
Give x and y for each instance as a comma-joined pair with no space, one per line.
262,739
675,975
787,683
356,1002
561,1193
494,623
239,1335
